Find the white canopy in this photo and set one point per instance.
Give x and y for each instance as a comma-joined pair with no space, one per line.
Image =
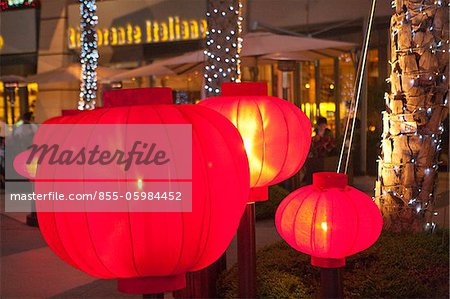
12,79
261,45
69,74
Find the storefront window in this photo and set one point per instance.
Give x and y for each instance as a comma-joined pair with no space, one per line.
326,90
246,73
347,75
320,78
308,90
186,87
265,75
15,100
376,87
375,92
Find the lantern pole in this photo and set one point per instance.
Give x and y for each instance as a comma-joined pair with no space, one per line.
330,283
246,242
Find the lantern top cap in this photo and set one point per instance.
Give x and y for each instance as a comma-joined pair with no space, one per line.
244,89
330,180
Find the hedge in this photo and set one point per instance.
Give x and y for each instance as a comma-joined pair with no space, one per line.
267,209
397,266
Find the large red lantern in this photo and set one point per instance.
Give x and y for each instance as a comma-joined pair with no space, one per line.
277,137
151,252
329,220
276,134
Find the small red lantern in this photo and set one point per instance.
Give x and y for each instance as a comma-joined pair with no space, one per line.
329,220
276,134
151,252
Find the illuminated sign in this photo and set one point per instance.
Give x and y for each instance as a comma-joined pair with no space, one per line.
138,22
174,28
12,4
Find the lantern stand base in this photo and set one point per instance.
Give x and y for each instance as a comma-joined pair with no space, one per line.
247,253
153,296
151,285
202,283
330,276
330,283
327,262
32,219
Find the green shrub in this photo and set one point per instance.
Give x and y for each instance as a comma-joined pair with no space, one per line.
267,209
397,266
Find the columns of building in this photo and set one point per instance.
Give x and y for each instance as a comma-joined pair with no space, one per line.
52,54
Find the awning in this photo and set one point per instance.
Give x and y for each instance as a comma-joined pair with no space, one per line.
260,45
69,74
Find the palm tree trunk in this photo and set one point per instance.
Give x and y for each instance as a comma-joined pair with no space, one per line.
88,55
415,109
222,44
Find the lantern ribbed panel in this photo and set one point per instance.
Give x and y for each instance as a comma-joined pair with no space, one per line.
276,134
329,223
158,244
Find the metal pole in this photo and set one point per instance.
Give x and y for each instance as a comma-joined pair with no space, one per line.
5,104
300,86
23,99
297,84
337,99
330,283
363,127
317,88
360,82
285,85
246,242
12,92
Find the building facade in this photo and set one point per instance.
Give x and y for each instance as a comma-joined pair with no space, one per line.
132,33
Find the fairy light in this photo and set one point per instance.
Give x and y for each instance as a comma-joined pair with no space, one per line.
223,44
88,55
412,121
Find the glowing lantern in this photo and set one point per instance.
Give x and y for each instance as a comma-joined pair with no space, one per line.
151,252
329,220
277,138
276,134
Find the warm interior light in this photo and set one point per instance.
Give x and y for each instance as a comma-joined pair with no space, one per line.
326,107
307,86
250,131
324,226
331,86
139,184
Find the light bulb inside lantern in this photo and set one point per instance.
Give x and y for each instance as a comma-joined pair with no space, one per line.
324,226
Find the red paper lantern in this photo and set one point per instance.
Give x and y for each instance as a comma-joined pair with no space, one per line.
276,134
151,252
329,220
